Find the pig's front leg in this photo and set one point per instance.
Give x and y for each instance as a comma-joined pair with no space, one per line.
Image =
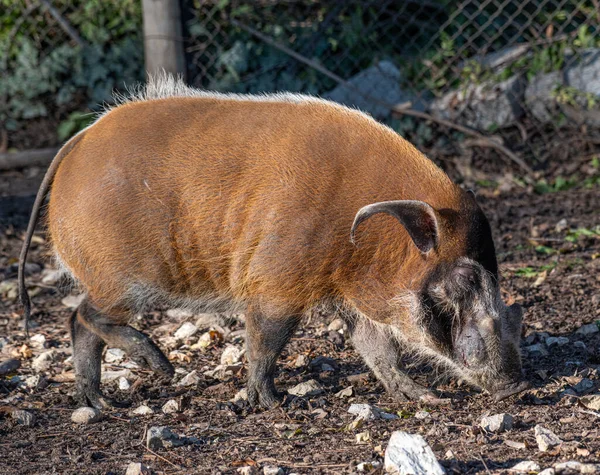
381,353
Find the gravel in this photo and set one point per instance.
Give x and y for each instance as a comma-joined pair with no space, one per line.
86,415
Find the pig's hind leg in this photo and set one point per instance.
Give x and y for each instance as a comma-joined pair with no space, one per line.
91,330
265,338
380,352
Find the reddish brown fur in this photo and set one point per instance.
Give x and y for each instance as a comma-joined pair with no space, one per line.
247,200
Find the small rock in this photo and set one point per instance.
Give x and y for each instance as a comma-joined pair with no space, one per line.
580,344
547,471
137,469
108,376
43,361
190,379
240,396
51,276
9,366
591,402
37,341
25,418
538,349
185,331
162,436
272,470
300,361
527,466
336,325
179,313
204,341
588,329
327,368
86,415
368,466
422,415
583,385
410,454
124,384
143,410
32,381
346,392
247,470
369,412
114,355
497,423
308,388
576,467
72,301
170,407
231,355
546,439
561,225
363,437
556,341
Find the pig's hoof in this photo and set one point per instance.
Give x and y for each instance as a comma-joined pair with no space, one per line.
262,395
154,359
94,398
511,389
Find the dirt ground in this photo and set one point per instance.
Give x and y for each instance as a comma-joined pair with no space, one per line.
548,263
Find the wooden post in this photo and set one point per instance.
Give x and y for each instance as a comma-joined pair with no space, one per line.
163,43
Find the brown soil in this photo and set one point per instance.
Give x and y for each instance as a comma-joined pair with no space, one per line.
559,286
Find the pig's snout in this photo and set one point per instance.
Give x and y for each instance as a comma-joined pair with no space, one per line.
470,348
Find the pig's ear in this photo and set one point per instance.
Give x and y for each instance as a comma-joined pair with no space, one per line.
417,217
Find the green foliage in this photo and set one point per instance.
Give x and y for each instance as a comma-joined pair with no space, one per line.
574,97
44,79
531,272
558,184
574,234
74,123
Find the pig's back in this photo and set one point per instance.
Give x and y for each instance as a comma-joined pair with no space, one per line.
224,200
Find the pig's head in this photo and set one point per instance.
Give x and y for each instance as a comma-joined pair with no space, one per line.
455,314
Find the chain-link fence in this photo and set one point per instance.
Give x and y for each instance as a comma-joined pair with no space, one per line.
524,72
513,80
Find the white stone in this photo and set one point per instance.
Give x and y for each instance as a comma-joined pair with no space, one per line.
561,225
591,402
527,466
422,415
32,381
368,412
231,355
179,313
301,361
37,341
410,454
346,392
272,470
25,418
170,406
497,423
588,329
124,384
576,467
114,355
86,415
556,340
137,469
546,439
308,388
43,361
204,341
547,471
336,325
108,376
51,276
240,396
247,470
189,379
73,301
185,331
143,410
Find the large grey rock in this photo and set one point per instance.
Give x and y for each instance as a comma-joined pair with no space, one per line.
137,469
409,454
582,73
369,412
380,82
589,329
483,106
